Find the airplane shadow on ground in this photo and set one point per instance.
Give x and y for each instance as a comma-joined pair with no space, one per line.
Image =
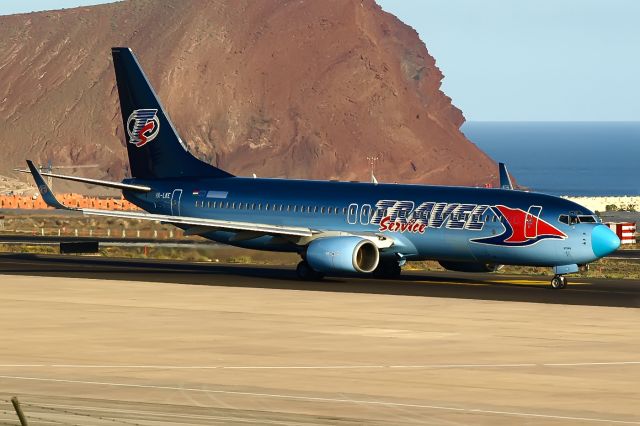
437,284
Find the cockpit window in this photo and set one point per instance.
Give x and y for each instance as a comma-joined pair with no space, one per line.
587,219
571,219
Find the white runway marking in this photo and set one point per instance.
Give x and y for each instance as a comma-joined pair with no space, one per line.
329,400
319,367
159,414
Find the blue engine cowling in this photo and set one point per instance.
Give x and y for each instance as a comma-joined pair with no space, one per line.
469,266
342,254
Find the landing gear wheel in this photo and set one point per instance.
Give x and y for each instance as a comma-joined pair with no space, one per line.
558,282
305,272
391,270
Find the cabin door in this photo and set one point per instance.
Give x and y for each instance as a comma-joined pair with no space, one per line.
176,195
531,222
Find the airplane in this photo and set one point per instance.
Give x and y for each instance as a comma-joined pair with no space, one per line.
338,228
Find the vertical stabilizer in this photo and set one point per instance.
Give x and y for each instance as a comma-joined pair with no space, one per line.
154,147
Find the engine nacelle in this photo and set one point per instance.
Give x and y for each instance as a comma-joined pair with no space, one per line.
342,254
469,266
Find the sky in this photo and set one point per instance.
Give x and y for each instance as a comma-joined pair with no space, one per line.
533,60
516,60
9,7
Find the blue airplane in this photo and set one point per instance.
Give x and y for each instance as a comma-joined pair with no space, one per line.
338,227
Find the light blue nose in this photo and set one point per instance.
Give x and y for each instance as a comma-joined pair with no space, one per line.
604,241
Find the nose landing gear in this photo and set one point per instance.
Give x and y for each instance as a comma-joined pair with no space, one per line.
558,282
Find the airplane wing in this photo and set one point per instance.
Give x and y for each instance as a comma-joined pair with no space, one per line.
198,225
505,179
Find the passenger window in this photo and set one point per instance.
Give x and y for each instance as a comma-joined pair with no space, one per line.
259,206
266,206
321,210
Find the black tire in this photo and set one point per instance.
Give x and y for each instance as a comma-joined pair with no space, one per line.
564,281
558,282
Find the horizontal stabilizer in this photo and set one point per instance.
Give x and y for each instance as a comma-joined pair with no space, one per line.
109,184
200,223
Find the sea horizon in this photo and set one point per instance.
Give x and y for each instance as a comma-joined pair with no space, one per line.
576,158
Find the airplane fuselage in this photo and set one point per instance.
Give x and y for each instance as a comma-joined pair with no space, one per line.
457,224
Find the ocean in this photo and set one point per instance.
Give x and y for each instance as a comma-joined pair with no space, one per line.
565,158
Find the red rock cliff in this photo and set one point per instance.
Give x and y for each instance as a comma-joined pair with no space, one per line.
304,89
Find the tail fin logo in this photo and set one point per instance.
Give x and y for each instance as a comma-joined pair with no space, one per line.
143,126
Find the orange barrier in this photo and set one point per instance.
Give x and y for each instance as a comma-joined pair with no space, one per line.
71,200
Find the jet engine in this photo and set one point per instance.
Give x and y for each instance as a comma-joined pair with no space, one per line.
470,266
342,254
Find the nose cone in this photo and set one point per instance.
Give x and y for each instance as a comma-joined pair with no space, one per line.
604,241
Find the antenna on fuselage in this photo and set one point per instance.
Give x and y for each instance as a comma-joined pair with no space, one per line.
372,162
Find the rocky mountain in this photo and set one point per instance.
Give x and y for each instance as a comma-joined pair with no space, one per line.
280,88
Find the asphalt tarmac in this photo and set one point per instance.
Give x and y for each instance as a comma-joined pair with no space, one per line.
499,287
93,341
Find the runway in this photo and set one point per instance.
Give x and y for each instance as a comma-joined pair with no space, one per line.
499,287
95,341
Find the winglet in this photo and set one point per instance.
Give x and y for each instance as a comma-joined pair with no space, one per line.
505,180
44,189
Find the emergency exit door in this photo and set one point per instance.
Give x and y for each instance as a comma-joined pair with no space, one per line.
176,195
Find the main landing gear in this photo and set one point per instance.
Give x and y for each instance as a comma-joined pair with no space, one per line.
307,273
558,282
